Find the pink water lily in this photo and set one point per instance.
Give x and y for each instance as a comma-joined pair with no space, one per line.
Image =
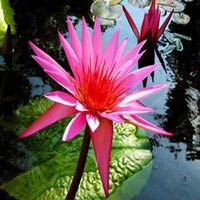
150,29
98,93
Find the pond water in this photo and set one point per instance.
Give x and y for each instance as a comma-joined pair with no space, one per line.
176,160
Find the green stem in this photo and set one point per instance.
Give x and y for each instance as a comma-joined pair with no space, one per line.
80,166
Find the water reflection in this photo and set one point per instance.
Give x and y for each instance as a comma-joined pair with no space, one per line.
183,114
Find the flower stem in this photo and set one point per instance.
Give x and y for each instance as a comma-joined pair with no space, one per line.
80,166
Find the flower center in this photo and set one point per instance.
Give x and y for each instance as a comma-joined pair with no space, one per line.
97,92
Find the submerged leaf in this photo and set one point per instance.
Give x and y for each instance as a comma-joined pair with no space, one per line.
179,45
54,162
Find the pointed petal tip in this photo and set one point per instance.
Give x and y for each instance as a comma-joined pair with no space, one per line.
131,22
106,192
26,133
65,138
21,136
102,143
30,43
169,134
68,19
33,46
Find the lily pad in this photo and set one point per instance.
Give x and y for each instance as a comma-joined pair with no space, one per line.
51,173
106,22
114,2
139,3
103,10
164,2
177,6
181,18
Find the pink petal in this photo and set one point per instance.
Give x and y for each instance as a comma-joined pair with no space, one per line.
102,144
64,80
80,107
128,66
142,93
139,121
70,54
162,28
144,27
153,6
155,24
131,22
97,39
120,50
56,67
125,110
92,121
50,116
74,127
74,40
131,53
139,75
111,48
87,47
110,116
61,97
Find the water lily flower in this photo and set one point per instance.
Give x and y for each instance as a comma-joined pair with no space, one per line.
150,29
98,93
150,32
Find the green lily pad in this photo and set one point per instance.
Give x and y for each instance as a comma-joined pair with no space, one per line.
103,10
6,18
52,162
177,6
139,3
114,2
181,18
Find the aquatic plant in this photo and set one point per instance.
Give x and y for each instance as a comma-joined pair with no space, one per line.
151,32
150,29
98,93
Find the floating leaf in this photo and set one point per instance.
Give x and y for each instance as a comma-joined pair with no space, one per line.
164,2
53,162
177,6
114,2
139,3
181,18
103,10
107,22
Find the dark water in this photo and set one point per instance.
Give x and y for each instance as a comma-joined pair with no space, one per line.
176,167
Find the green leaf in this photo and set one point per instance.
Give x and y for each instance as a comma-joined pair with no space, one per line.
52,163
6,18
